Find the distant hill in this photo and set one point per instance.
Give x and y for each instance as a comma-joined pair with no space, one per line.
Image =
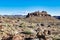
58,17
13,16
40,17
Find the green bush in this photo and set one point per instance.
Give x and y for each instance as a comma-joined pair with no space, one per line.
27,32
57,39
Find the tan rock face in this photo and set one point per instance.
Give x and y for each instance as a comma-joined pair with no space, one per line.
43,13
7,37
0,26
17,37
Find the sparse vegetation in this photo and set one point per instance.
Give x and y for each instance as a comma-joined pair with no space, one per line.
30,25
27,32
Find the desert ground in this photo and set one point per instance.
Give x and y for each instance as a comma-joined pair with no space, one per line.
34,26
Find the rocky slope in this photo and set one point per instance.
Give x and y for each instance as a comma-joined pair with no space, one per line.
40,17
35,26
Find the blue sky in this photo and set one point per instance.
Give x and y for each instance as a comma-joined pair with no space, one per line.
22,7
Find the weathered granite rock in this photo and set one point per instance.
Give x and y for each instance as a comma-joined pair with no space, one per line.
17,37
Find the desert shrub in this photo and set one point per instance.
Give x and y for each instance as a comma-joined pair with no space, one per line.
31,26
27,32
22,25
38,25
55,39
49,25
42,24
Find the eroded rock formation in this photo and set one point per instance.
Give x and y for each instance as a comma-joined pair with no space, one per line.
37,13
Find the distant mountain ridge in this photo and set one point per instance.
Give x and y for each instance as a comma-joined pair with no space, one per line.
58,17
13,16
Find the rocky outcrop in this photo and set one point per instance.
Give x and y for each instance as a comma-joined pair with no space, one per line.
37,17
37,13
